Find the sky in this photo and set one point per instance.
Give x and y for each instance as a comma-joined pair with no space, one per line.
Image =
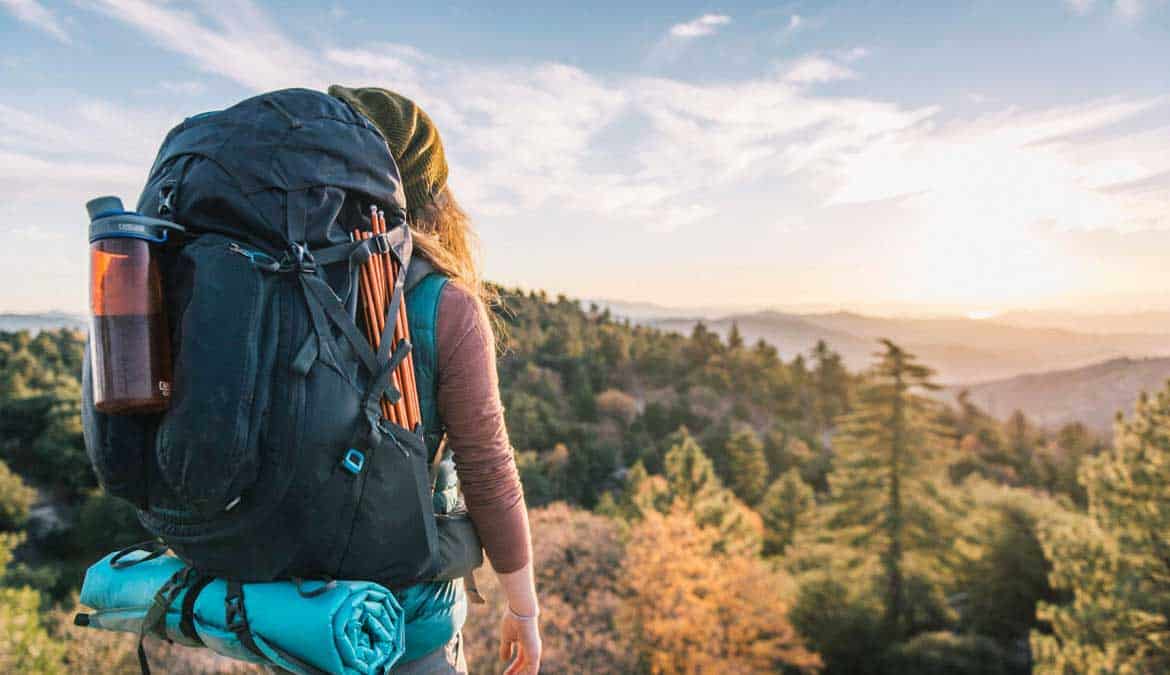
957,157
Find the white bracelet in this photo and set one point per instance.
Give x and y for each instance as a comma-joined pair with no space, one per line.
521,617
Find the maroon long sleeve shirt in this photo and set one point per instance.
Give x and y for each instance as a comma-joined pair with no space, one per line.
469,402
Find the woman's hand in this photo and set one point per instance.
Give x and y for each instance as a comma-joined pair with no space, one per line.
520,627
520,638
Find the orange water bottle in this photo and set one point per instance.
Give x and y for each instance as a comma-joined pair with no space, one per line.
130,347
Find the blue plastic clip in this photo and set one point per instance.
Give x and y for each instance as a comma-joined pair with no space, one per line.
354,461
259,258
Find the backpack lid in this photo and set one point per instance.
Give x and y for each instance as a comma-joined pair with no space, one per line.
296,141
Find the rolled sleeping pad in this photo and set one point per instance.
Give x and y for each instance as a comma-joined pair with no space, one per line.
353,627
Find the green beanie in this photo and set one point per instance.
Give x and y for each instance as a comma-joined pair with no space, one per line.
413,139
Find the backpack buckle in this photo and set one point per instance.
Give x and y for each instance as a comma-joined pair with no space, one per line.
353,461
299,259
381,243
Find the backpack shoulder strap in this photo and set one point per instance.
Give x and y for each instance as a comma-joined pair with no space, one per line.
424,289
419,269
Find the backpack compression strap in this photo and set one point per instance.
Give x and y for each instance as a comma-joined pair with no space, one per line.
324,304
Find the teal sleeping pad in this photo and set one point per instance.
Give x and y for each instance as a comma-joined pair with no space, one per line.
351,628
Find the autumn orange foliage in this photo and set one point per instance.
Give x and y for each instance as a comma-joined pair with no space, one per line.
688,610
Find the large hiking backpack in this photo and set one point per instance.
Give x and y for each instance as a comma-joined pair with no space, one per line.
273,459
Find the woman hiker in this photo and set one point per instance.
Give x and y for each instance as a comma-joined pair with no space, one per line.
468,397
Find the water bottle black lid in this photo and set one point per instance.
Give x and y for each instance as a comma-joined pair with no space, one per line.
108,218
104,206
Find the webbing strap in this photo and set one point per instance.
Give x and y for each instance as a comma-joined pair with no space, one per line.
321,298
324,304
236,617
391,354
153,547
380,384
187,615
362,249
386,342
156,615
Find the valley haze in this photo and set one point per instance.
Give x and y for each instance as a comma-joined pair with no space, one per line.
1056,366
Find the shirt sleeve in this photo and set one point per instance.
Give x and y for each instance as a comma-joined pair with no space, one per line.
469,402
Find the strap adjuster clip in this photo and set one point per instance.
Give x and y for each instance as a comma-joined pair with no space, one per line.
299,259
381,243
353,461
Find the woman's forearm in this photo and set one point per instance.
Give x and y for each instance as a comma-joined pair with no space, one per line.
520,640
520,590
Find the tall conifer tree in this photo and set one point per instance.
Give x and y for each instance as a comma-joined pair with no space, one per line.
747,464
886,491
831,384
1115,559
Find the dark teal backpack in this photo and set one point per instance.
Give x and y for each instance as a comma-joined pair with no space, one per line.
273,460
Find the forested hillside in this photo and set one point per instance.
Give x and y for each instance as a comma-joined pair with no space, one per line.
700,505
1091,395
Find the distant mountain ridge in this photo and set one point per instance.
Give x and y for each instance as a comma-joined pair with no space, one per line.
1092,395
34,323
961,350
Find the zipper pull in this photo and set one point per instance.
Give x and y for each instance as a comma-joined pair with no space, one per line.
257,258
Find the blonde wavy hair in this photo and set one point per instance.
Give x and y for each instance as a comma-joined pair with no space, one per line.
444,236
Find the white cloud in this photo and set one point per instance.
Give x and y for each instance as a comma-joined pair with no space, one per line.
236,40
37,15
816,69
704,25
389,60
983,201
183,87
854,54
550,138
998,177
29,168
795,21
1128,9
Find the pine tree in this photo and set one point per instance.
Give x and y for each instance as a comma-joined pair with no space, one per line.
694,484
689,471
1116,558
734,337
1000,572
702,346
785,506
831,384
1020,445
747,466
886,492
